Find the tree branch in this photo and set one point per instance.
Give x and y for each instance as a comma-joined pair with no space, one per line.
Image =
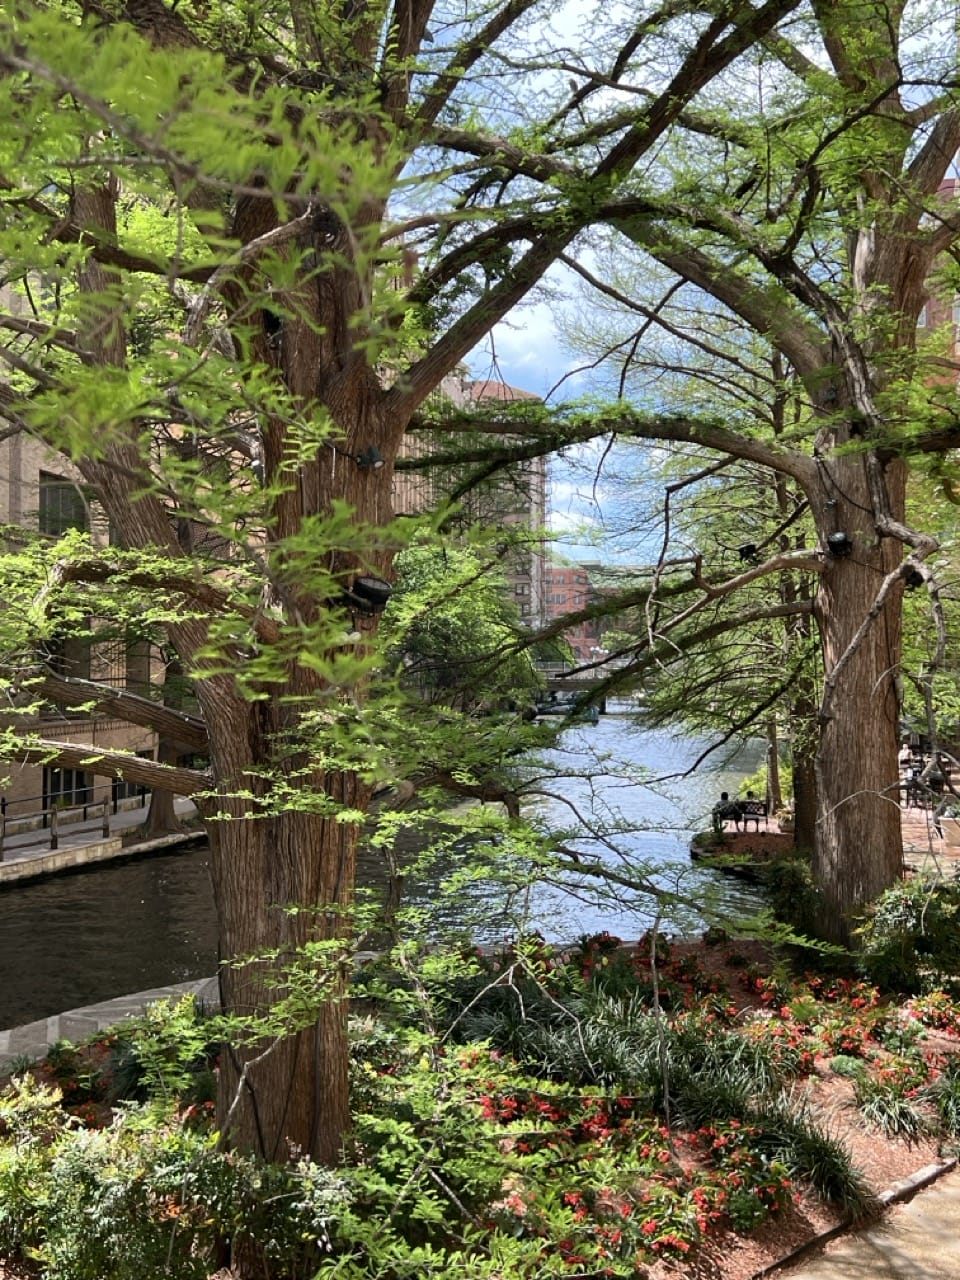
247,253
466,57
109,764
200,590
715,48
188,731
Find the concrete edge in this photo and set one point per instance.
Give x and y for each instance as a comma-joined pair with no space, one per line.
77,857
33,1039
896,1194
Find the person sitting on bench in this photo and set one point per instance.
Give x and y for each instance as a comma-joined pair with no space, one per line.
751,810
725,809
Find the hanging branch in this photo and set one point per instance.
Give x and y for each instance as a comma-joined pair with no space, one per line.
112,764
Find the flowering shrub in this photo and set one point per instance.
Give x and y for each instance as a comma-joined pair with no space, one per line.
635,1191
770,989
858,995
935,1010
530,1139
755,1186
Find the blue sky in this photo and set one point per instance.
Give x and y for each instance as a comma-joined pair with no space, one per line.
526,352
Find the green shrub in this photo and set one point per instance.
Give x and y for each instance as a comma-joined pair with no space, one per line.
145,1197
887,1108
31,1118
844,1064
793,897
943,1094
910,940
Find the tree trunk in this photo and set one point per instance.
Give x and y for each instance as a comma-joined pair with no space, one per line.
774,791
804,800
804,742
858,850
286,1094
162,815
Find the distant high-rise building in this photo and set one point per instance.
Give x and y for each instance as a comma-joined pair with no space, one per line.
514,498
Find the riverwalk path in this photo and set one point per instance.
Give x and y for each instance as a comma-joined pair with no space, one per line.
28,856
32,1040
916,1239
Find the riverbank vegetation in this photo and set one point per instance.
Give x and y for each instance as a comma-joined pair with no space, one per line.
245,251
606,1109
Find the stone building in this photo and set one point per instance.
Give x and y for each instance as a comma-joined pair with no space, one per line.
41,492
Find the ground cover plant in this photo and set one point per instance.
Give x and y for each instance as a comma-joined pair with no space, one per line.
602,1110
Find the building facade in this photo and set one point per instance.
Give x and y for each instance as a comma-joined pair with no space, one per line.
42,493
515,499
568,589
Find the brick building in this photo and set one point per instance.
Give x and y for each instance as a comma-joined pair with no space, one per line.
568,589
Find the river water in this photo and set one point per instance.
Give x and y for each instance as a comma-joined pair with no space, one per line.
623,793
77,939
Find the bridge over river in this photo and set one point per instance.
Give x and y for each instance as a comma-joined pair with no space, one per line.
579,683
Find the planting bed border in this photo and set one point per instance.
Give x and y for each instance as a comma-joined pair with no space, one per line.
899,1192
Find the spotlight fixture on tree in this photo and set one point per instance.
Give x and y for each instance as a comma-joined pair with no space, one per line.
369,460
839,544
369,595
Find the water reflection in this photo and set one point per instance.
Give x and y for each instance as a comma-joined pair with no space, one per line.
619,789
73,940
76,939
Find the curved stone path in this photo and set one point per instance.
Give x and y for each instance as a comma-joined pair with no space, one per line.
32,1040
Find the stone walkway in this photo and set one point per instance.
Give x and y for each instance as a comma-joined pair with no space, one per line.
27,855
917,1240
923,849
32,1040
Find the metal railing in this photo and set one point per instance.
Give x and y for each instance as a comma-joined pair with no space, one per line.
51,815
49,800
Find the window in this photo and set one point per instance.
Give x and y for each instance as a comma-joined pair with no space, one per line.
67,656
65,787
137,675
62,505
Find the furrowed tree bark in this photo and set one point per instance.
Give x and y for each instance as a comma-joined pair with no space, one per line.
859,848
307,336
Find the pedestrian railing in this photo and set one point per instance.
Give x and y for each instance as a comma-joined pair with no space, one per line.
51,819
